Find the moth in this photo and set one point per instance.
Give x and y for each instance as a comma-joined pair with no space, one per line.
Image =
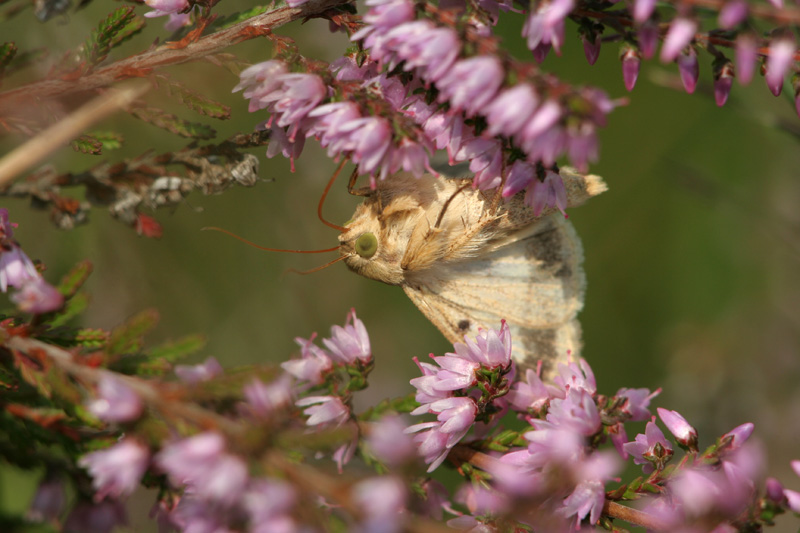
467,262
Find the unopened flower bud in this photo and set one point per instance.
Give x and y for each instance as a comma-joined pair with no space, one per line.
689,69
631,61
723,80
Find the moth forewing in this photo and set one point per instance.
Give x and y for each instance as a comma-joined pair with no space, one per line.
467,266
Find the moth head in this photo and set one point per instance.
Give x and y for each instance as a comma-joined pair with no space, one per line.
368,247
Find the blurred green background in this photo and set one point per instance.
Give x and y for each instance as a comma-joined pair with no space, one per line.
691,257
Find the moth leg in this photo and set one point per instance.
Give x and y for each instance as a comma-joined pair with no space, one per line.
447,204
363,191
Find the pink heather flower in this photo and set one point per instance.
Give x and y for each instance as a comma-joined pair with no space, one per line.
193,374
529,395
263,400
781,57
732,14
619,437
260,79
649,449
435,439
455,372
177,21
456,414
553,445
268,503
431,443
648,39
314,362
591,47
349,343
116,471
279,143
680,34
382,503
677,425
426,385
202,465
431,50
544,118
411,157
100,517
739,435
520,176
637,402
746,56
630,68
370,140
116,401
547,193
581,144
573,376
642,9
689,69
511,109
37,296
792,500
296,3
385,15
324,410
723,81
299,93
328,122
16,268
48,501
545,26
577,412
490,349
697,491
388,441
777,4
471,83
773,490
165,7
6,226
587,499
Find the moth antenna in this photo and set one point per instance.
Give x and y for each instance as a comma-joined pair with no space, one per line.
447,203
325,194
254,245
316,269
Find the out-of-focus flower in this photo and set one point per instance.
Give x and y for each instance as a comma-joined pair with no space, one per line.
781,57
546,193
351,342
324,410
193,374
650,449
512,108
545,26
48,501
37,296
680,34
116,471
637,402
746,56
642,9
591,47
101,517
268,503
165,7
389,442
648,39
263,399
382,502
16,268
203,466
470,84
116,401
177,21
732,14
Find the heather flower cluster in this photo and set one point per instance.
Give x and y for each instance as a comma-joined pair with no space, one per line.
33,294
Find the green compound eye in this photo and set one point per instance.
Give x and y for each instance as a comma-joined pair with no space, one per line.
366,245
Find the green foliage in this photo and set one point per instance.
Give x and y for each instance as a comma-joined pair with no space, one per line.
195,101
127,338
236,18
174,124
107,35
7,53
158,361
95,142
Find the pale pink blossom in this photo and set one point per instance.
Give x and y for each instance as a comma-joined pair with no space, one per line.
746,57
313,365
680,34
115,401
37,296
116,471
683,432
650,449
511,110
349,343
470,84
205,371
324,410
165,7
732,14
781,57
642,9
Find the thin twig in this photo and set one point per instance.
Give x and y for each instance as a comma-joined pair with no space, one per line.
48,141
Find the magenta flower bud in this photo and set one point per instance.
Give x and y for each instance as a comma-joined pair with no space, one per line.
781,57
683,432
739,435
746,56
680,34
689,69
642,9
630,67
648,39
116,401
774,490
732,14
591,47
723,80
